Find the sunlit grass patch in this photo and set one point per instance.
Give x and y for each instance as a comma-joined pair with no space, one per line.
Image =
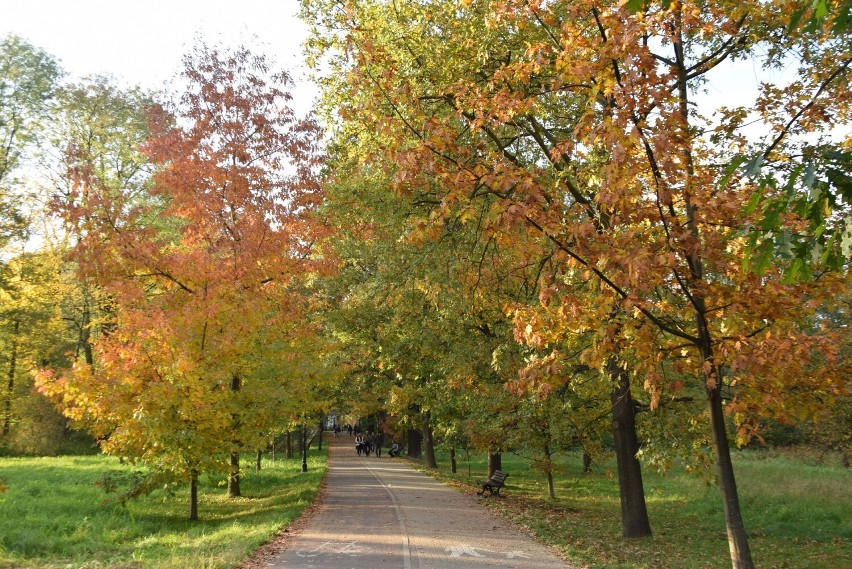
798,513
53,516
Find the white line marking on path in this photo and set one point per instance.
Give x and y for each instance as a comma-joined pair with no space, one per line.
400,517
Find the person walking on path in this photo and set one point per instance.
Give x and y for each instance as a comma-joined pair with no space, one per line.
386,515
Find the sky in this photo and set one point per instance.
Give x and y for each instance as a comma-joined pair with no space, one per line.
141,43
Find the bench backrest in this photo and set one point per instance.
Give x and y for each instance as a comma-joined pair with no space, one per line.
499,477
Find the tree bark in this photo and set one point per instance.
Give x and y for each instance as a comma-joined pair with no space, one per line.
734,524
234,476
587,462
634,513
428,441
258,462
551,490
415,443
304,448
453,460
83,340
289,449
495,462
193,496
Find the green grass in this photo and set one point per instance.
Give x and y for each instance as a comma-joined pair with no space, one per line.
53,516
798,515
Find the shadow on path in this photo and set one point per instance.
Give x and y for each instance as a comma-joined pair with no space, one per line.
379,513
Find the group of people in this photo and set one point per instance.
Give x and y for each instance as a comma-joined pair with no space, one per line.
373,443
369,443
348,428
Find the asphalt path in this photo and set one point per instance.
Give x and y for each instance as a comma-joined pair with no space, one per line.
379,513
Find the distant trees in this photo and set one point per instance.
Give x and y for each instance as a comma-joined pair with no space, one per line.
29,80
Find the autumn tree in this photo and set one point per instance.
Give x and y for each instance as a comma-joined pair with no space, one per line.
418,319
422,98
580,122
201,271
30,321
31,302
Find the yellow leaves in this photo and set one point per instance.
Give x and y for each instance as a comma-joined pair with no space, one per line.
467,214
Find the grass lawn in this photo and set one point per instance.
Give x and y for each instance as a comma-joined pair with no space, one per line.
53,516
798,512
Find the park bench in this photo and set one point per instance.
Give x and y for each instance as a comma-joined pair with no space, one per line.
493,484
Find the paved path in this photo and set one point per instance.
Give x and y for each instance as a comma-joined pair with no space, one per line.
378,513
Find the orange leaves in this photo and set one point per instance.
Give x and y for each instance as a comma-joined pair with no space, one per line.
199,268
570,131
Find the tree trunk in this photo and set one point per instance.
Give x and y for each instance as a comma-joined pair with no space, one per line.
234,476
495,462
259,457
321,429
193,496
453,460
587,461
10,388
83,341
634,513
551,490
289,449
737,538
415,443
734,525
304,448
428,442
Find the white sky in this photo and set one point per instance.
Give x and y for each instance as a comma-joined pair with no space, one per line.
141,43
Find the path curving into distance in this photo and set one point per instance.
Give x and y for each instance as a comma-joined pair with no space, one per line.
379,513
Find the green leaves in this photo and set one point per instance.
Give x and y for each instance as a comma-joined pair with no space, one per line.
635,6
803,214
813,14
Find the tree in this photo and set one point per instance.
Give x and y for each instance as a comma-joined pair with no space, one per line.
33,332
202,272
584,134
422,106
28,80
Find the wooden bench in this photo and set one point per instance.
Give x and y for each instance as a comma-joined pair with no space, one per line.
493,484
